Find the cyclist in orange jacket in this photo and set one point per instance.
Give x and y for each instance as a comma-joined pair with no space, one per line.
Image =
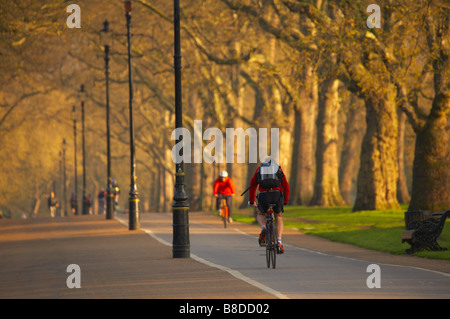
273,189
224,187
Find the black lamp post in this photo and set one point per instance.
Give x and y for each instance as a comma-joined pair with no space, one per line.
133,200
61,211
64,176
106,40
180,206
85,210
74,113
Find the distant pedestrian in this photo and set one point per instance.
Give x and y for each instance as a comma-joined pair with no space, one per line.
52,204
73,203
89,204
116,191
101,202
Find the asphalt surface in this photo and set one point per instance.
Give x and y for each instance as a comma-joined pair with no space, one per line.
114,263
310,268
225,263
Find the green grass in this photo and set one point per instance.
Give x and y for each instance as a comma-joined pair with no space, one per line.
378,230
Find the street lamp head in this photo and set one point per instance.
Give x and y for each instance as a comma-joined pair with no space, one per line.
105,35
128,6
105,26
82,93
74,113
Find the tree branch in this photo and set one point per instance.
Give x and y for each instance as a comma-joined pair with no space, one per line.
295,38
197,41
406,101
13,106
316,16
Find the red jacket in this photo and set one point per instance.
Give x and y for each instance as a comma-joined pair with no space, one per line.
225,187
284,187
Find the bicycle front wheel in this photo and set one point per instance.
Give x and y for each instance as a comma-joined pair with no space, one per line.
224,214
224,221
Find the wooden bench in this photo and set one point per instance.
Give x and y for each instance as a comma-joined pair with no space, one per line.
422,231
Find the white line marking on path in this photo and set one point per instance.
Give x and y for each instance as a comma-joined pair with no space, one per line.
232,272
262,286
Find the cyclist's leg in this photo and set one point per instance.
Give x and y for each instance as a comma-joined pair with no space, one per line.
218,199
262,222
262,208
261,219
280,225
229,205
278,209
263,203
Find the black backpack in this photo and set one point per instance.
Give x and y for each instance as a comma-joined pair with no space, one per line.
269,175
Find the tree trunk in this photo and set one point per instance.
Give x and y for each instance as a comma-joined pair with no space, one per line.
431,167
281,119
202,186
378,172
158,197
258,115
193,171
153,189
326,185
402,189
294,179
37,205
304,139
351,147
164,196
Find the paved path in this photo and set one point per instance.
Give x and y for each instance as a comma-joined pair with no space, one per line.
114,263
303,272
225,263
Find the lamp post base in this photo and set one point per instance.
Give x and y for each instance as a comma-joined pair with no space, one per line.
180,245
133,212
85,210
110,208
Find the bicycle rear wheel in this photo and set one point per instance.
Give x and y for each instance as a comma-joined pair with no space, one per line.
268,254
271,252
273,244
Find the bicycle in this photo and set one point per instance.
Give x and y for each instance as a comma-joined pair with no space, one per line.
271,238
101,208
224,210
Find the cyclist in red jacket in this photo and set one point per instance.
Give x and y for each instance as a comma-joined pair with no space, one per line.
277,194
224,187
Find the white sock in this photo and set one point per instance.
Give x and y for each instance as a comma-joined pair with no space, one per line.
263,227
279,240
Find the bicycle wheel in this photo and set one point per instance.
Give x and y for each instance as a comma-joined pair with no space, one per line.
268,245
273,250
224,213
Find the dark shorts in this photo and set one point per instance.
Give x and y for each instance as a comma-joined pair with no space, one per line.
270,197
